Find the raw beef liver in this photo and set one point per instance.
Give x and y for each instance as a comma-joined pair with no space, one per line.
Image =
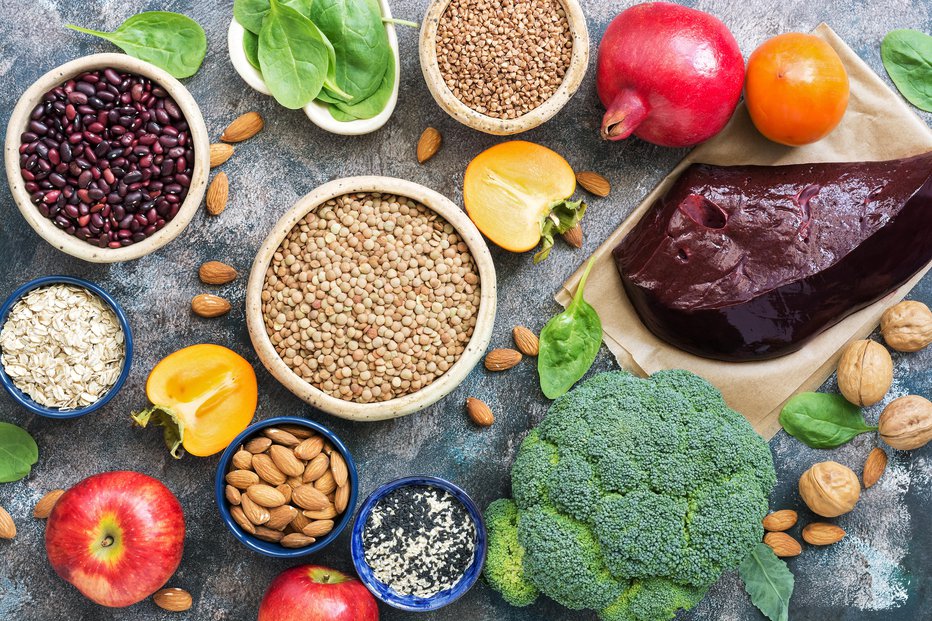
751,262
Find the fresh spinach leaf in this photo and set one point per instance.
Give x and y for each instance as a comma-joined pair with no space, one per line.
821,420
768,581
294,56
18,452
171,41
251,47
569,344
372,105
354,28
907,57
250,13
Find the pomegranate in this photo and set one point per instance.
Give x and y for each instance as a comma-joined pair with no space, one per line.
668,74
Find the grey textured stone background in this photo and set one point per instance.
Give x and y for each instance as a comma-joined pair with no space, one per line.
881,571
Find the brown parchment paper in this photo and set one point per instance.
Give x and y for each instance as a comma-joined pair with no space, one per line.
877,125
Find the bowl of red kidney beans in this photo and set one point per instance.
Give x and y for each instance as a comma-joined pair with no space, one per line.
107,157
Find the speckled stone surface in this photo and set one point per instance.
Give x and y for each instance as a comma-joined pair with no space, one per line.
881,571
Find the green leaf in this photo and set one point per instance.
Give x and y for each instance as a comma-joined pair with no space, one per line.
173,426
569,344
294,56
768,581
821,420
18,452
171,41
907,57
372,105
250,13
562,217
251,47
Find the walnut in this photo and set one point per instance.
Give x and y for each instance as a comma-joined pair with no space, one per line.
907,326
906,422
865,372
830,489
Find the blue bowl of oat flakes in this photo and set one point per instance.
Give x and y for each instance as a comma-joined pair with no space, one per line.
418,543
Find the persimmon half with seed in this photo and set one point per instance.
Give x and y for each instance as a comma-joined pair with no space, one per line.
517,194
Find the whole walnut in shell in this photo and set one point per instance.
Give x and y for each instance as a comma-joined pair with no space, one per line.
865,372
907,326
830,489
906,422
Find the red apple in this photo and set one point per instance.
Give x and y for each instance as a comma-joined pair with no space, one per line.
315,593
116,536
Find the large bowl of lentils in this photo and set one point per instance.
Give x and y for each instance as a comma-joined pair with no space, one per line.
107,157
371,298
503,66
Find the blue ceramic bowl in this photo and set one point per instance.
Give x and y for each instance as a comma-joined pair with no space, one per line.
411,602
266,547
24,399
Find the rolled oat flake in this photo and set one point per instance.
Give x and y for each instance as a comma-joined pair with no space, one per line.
419,540
63,346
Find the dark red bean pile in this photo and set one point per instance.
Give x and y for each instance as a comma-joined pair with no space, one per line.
107,156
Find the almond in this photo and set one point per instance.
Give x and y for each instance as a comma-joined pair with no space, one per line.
301,433
428,145
338,469
265,496
822,534
207,305
216,273
173,599
318,528
242,479
573,237
780,520
782,544
326,483
316,468
309,448
233,495
218,192
220,152
242,460
239,516
243,127
341,498
502,359
258,445
7,526
45,505
285,490
479,412
268,534
280,436
293,482
254,513
309,497
526,341
874,467
267,470
280,517
285,460
594,183
299,522
327,513
296,540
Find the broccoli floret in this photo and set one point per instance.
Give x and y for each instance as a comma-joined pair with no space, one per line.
634,495
503,566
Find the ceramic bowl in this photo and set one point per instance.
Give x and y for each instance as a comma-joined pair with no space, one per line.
25,400
408,403
491,125
318,113
266,547
70,244
410,602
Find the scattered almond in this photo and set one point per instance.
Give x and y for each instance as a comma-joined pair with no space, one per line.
267,470
286,461
573,237
822,534
428,145
780,520
526,341
242,479
216,273
296,540
254,513
318,528
220,152
265,496
208,305
280,436
258,445
7,526
173,599
594,183
45,505
782,544
874,467
233,495
218,192
309,497
338,469
239,516
502,359
479,412
243,127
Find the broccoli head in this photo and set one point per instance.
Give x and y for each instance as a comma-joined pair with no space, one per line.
631,498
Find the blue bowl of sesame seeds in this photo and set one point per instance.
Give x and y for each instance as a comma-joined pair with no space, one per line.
22,397
440,543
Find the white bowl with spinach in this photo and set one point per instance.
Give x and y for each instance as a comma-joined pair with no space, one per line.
335,59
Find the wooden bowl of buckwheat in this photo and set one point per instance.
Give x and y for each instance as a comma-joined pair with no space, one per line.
371,298
504,66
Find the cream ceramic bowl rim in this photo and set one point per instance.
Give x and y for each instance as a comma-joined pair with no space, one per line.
503,127
415,401
318,113
70,244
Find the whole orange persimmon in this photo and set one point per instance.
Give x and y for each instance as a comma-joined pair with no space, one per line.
796,89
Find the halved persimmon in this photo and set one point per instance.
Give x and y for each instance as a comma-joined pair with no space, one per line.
517,194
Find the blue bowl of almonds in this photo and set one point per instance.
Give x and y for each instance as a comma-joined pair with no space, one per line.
65,346
418,543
